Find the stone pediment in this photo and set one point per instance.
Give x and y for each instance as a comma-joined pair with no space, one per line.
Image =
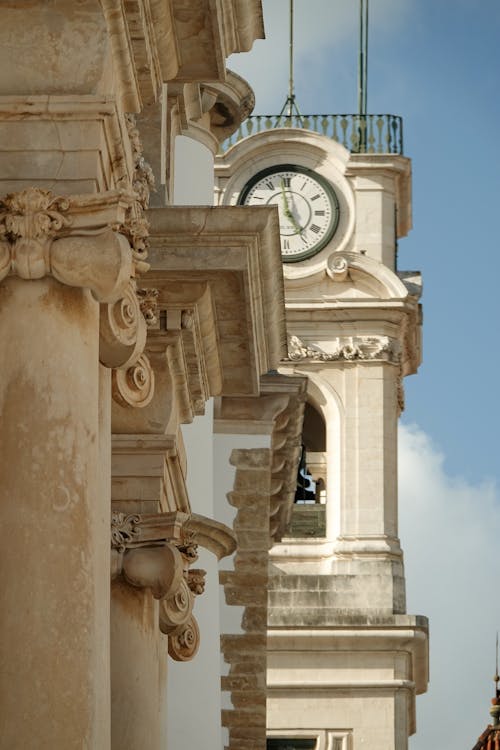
351,277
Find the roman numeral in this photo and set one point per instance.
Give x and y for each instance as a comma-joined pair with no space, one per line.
286,182
319,213
315,197
303,185
269,185
286,244
314,228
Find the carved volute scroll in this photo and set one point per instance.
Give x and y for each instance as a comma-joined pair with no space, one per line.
176,609
134,386
183,644
122,331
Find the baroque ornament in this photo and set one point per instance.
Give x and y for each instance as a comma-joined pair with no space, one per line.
124,530
148,301
347,349
38,239
29,221
143,181
136,230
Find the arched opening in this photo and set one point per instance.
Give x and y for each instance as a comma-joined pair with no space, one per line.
308,515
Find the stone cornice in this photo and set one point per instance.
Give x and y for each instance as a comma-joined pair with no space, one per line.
242,269
397,633
202,47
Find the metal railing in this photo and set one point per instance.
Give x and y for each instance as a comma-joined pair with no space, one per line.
360,134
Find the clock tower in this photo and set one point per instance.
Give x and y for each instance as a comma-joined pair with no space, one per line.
345,660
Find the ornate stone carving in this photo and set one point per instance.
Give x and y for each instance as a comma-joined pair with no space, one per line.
155,552
188,546
196,580
350,348
136,230
337,267
148,301
122,331
159,568
38,237
143,181
29,221
123,530
183,644
176,609
135,386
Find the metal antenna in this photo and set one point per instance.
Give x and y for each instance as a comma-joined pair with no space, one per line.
496,677
363,57
290,105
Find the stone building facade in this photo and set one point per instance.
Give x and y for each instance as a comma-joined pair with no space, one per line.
152,405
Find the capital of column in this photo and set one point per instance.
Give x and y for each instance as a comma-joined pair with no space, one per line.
156,551
72,239
96,242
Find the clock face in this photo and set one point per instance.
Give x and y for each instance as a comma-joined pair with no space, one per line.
307,205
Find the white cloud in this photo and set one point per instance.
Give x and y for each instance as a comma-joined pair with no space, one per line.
450,531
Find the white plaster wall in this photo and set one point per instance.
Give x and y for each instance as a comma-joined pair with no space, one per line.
194,687
193,173
194,721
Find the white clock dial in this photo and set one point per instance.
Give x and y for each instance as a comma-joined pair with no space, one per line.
307,205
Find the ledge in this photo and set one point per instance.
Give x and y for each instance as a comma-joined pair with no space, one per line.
235,252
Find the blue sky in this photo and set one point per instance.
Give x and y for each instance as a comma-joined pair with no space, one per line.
436,63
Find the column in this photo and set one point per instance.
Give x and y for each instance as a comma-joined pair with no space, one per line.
55,281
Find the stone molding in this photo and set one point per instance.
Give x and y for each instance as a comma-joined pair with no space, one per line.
155,551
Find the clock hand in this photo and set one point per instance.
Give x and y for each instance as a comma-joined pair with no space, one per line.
286,210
